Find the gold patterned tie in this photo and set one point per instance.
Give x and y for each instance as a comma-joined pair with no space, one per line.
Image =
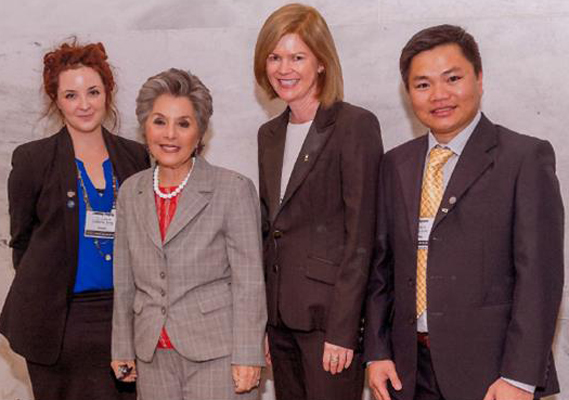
431,196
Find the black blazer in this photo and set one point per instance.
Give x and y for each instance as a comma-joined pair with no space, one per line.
318,241
495,266
44,229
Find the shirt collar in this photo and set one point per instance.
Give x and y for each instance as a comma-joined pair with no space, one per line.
459,141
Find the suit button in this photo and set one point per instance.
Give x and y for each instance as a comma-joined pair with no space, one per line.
162,274
277,234
410,282
162,292
163,310
411,320
276,268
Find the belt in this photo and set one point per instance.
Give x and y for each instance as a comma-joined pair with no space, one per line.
423,339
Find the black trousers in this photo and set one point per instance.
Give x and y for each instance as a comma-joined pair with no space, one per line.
298,372
426,387
83,369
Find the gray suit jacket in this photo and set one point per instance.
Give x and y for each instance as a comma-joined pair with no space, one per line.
204,282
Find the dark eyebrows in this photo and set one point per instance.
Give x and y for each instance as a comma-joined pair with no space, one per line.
447,72
452,70
159,114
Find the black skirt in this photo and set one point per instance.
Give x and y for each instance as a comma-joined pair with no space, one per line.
83,369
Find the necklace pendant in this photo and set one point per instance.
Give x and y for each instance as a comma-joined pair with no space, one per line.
108,257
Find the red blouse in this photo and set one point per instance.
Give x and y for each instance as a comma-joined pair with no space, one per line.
165,208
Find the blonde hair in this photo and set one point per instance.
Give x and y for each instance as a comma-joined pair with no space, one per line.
307,23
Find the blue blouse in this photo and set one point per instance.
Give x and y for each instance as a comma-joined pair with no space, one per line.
94,272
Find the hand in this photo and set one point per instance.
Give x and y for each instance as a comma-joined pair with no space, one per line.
336,358
245,377
502,390
125,371
379,373
267,351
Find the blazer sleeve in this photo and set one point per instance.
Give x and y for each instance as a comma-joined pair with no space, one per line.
22,199
379,301
243,243
360,158
538,259
122,347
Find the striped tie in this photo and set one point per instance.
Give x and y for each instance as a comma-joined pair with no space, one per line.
431,195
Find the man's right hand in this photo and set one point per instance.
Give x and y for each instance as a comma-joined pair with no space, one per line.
379,373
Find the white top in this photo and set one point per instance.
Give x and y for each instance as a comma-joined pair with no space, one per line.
295,136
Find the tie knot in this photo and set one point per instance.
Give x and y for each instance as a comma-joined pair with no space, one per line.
439,156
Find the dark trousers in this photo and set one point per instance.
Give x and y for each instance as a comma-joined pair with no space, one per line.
83,369
426,387
298,372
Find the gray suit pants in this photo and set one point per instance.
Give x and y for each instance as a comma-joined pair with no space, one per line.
171,376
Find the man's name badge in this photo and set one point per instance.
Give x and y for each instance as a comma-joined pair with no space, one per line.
100,224
425,225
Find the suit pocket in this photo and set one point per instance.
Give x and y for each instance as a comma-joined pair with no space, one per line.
137,304
321,270
213,300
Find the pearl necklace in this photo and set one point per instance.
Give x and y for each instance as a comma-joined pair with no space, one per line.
177,190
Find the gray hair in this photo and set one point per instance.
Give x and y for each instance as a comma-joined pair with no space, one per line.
177,83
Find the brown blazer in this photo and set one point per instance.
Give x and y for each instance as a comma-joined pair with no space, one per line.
495,266
318,241
44,224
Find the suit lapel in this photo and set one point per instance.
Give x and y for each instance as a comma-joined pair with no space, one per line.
121,168
68,187
472,163
318,135
272,160
411,176
145,208
195,196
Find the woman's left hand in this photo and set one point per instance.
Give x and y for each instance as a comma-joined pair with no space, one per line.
336,358
245,377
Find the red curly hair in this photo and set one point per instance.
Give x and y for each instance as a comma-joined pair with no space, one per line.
72,56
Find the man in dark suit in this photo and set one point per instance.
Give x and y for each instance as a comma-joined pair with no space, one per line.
468,274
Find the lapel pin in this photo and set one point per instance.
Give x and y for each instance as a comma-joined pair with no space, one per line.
71,194
445,210
452,200
306,156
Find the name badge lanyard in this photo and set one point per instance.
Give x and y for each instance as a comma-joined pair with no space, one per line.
106,256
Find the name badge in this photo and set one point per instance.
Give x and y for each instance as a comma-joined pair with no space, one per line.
100,224
425,226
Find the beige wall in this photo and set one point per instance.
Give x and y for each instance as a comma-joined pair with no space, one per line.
524,45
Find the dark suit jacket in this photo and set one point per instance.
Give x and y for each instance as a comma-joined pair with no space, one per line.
317,243
44,228
495,266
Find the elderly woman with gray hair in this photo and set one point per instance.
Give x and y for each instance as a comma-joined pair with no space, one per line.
189,312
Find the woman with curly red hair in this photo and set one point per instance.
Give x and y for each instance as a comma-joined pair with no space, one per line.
62,193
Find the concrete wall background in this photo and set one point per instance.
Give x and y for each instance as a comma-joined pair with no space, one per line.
524,45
